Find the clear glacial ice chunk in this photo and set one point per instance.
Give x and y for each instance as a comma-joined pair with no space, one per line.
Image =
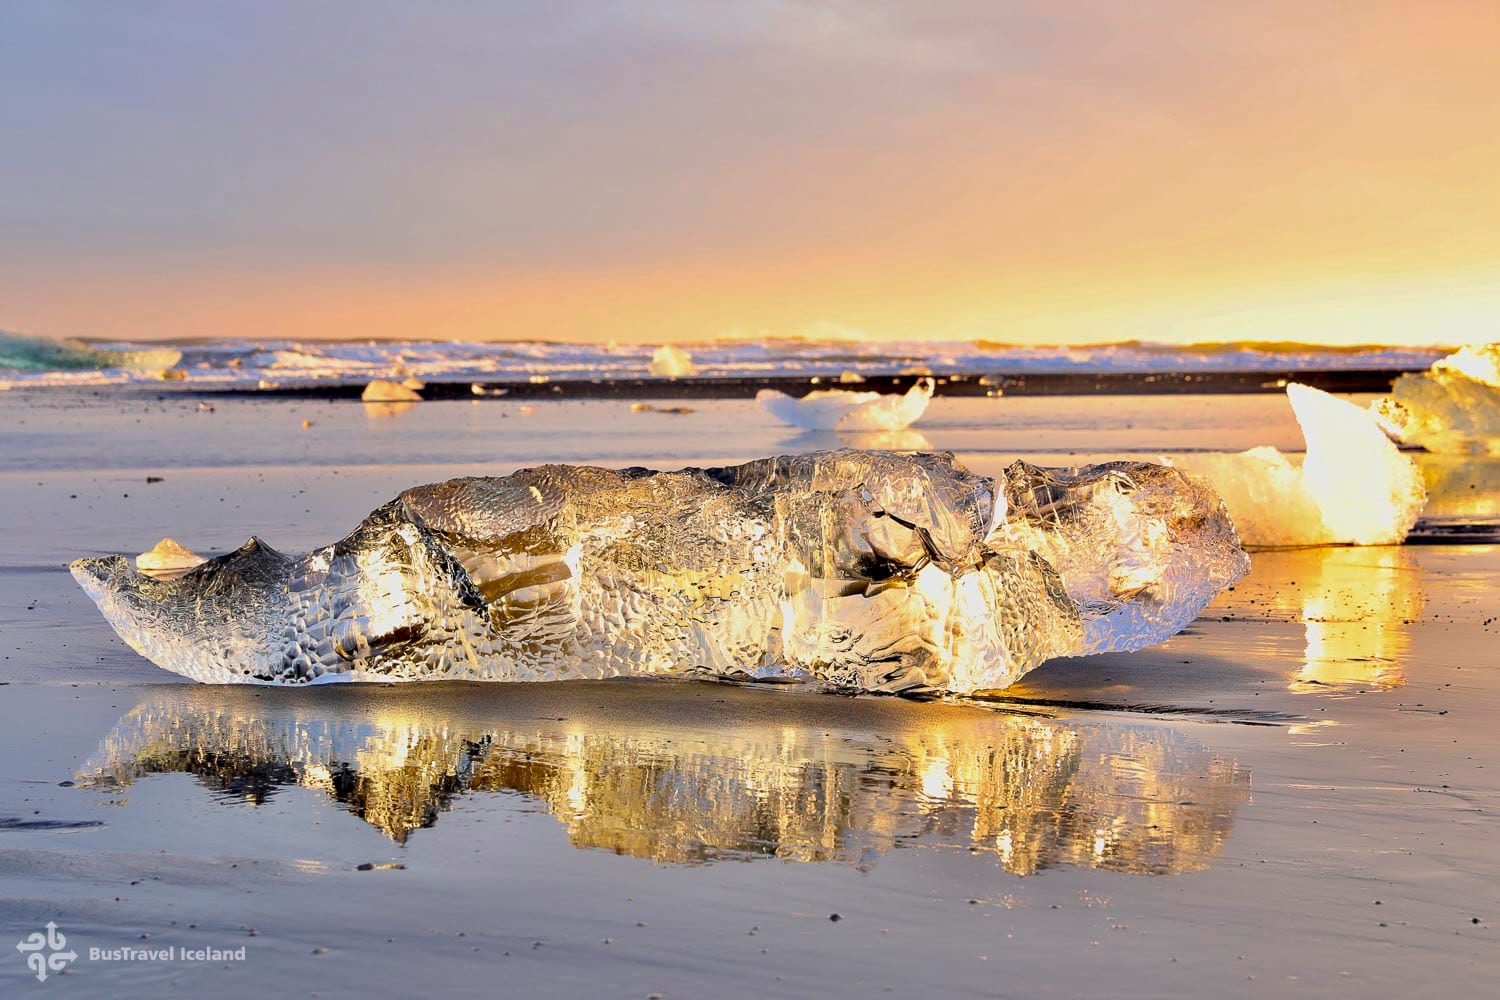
862,570
1453,407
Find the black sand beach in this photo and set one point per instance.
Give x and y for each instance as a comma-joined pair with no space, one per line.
1124,825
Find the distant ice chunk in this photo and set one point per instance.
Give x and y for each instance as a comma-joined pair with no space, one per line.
845,410
1454,407
860,570
385,391
1354,487
671,362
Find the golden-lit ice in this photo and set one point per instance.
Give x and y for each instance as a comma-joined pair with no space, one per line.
1032,793
849,411
857,570
1452,408
1353,487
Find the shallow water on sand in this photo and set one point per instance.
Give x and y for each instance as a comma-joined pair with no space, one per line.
1298,794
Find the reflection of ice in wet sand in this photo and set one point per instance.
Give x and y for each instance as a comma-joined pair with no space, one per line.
1356,605
1033,792
382,411
905,439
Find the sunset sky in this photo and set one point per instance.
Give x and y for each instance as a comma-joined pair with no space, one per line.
1018,171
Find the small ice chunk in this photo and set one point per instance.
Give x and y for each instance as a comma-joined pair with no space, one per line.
844,410
384,391
860,570
1452,408
1354,487
672,362
168,557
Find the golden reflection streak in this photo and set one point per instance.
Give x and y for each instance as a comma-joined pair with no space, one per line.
1032,792
1356,606
383,411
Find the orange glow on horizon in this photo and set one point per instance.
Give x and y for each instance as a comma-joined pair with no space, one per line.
1282,172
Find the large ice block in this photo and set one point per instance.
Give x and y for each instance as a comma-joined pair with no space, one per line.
1454,407
859,570
1353,487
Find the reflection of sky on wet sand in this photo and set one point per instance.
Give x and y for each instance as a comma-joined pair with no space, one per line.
846,786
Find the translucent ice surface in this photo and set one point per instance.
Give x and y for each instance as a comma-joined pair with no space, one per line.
1354,487
843,410
1454,407
858,570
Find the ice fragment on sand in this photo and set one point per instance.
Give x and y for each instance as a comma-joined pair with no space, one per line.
1354,487
843,410
384,391
670,362
865,570
1454,407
